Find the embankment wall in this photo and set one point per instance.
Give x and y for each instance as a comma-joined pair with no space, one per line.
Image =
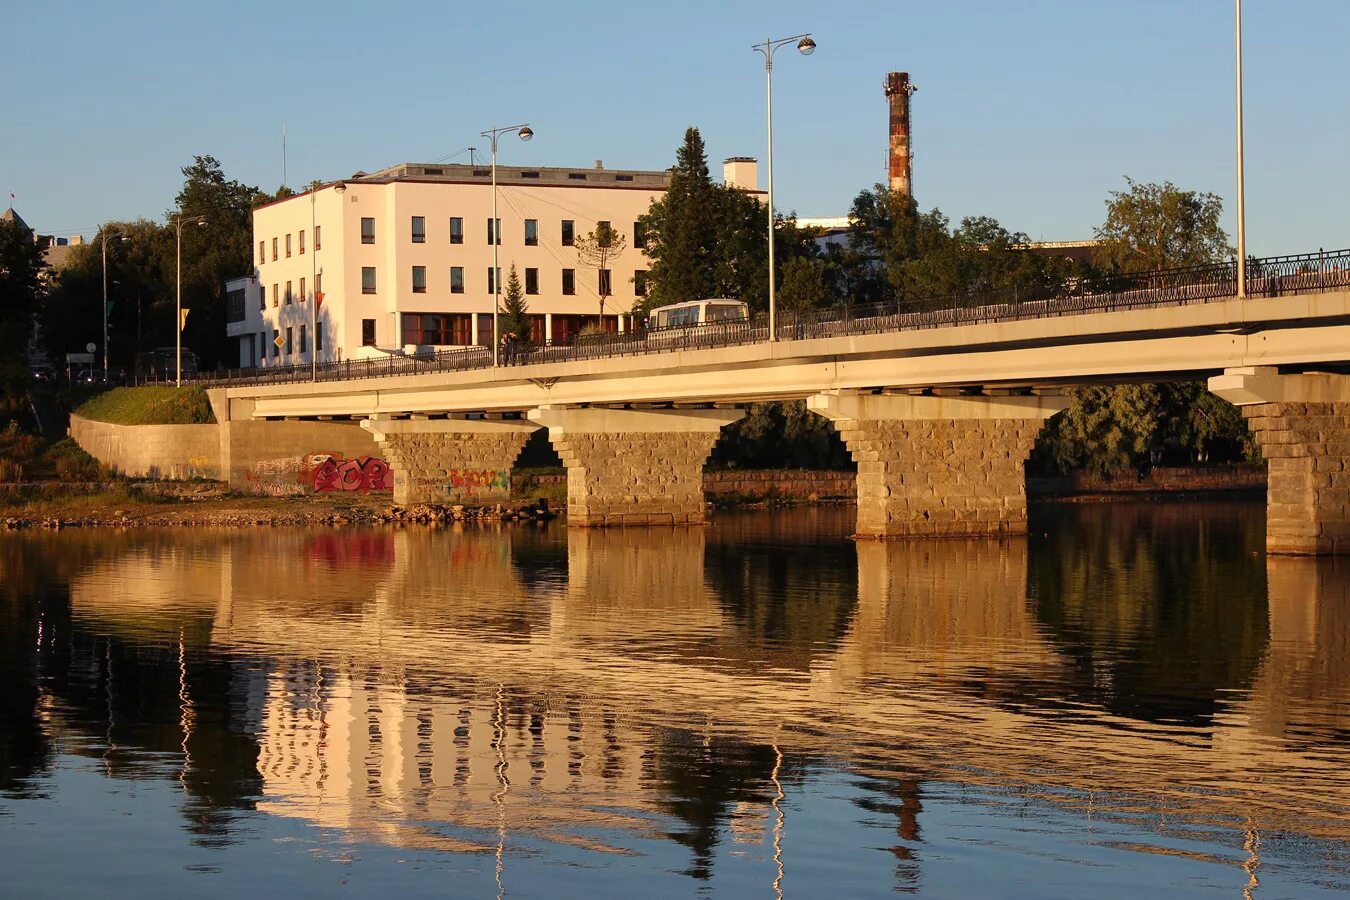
151,451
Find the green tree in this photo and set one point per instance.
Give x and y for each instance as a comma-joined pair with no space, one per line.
1152,226
598,249
515,312
212,254
1105,429
20,265
805,284
680,229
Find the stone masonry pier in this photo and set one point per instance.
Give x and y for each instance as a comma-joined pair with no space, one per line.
634,467
1302,424
449,461
938,466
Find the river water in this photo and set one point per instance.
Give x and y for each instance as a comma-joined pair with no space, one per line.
1133,700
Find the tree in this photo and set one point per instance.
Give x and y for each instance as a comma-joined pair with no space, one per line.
680,229
20,264
1151,226
598,249
805,284
514,315
1106,428
212,254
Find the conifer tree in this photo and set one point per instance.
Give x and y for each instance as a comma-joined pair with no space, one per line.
514,316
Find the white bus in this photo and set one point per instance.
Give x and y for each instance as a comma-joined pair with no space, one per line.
697,312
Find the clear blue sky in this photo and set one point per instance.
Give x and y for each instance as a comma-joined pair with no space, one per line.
1027,110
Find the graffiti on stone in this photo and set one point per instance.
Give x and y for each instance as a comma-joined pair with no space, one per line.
332,472
471,481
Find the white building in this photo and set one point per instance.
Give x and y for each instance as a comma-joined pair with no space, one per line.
402,258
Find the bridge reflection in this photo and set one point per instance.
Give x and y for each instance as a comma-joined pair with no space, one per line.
469,690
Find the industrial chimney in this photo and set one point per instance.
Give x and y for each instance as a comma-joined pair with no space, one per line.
899,163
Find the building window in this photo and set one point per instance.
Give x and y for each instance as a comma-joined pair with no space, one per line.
456,230
639,237
304,339
531,232
302,290
640,283
531,281
289,298
318,337
262,252
494,231
367,332
367,279
436,328
568,232
276,343
274,249
290,341
262,347
276,295
604,286
492,284
262,296
302,251
318,234
318,286
419,279
569,282
367,230
288,245
419,229
456,279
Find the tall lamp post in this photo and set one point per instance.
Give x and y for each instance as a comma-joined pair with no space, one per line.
1241,175
103,241
339,188
806,47
525,133
178,323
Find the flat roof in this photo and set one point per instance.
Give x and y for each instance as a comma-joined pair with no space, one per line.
574,176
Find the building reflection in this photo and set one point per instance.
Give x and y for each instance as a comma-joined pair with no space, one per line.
476,690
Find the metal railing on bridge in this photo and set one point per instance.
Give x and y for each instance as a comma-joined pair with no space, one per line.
1269,277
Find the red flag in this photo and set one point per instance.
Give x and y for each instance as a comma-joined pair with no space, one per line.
318,299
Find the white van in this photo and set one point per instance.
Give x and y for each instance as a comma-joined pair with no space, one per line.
697,312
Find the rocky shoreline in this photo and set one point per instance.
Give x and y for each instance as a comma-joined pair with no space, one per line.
229,512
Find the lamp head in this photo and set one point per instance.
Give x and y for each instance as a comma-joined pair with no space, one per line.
526,133
806,46
201,222
340,187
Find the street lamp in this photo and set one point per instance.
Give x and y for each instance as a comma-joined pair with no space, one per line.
178,324
103,242
1241,175
806,47
525,133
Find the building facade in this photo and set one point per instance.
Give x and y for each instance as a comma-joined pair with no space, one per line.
401,259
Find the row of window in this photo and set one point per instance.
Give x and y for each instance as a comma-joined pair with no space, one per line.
605,281
289,298
457,328
284,339
567,235
300,235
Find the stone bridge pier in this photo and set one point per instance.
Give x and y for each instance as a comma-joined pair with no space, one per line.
631,466
449,461
938,466
1302,424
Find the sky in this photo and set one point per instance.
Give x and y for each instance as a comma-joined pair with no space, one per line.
1030,111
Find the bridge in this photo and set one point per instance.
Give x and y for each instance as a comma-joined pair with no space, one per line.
939,407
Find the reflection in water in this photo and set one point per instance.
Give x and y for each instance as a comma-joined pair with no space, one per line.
763,699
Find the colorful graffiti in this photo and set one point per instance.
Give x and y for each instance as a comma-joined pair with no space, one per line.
332,472
470,481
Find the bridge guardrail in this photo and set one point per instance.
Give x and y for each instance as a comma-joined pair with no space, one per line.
1272,276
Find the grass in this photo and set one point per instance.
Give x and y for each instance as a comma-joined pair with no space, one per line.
158,405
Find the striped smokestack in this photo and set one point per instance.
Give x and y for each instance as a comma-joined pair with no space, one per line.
899,163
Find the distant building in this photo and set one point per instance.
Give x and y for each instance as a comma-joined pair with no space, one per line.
402,258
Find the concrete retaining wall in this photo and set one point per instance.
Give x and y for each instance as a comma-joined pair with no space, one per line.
287,458
780,484
1156,480
151,451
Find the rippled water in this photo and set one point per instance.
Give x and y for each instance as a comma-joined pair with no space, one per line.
1134,699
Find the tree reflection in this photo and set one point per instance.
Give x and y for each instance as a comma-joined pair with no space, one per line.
1161,608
